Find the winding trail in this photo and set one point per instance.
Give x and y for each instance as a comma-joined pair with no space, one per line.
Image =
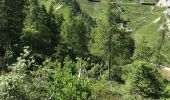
166,68
157,20
56,9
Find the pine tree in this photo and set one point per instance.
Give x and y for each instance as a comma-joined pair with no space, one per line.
36,33
112,42
11,24
75,33
142,51
11,20
142,78
159,57
54,24
41,28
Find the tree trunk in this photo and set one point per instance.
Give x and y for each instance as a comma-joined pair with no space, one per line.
80,71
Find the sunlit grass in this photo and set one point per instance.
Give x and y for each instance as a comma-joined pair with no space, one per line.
166,74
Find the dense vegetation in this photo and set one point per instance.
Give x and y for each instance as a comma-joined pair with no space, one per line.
81,50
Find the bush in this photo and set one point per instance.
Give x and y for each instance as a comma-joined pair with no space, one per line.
144,79
11,87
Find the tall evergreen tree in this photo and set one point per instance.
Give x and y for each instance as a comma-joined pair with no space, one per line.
159,57
11,24
54,25
142,51
11,19
40,29
111,42
75,33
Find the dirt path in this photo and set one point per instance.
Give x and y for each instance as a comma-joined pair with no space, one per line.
166,68
56,9
157,20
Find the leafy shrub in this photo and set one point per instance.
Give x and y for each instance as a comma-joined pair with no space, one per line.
11,87
144,79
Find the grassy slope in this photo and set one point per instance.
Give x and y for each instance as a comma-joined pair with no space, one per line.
94,9
141,18
65,11
150,32
47,3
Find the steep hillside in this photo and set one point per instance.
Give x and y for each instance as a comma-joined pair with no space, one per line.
84,50
140,17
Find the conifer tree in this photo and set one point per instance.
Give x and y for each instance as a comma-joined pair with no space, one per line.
11,24
11,20
41,29
143,52
75,33
54,24
36,33
111,42
159,57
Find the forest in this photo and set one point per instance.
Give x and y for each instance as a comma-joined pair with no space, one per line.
83,50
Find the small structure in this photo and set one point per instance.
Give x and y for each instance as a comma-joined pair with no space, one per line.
94,0
163,3
143,2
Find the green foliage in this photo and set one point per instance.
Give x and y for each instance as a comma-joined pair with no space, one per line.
112,42
71,87
107,37
102,90
35,28
96,71
14,85
41,30
76,31
42,83
79,51
11,23
6,59
54,23
96,45
143,51
144,79
159,56
56,82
